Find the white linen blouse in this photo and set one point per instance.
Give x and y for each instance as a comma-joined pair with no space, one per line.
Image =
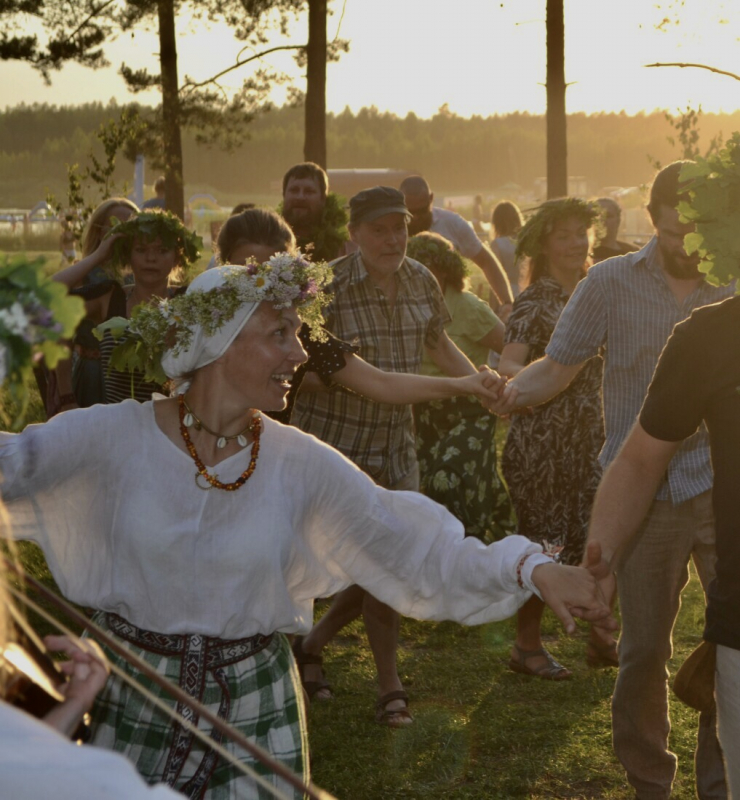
38,763
114,505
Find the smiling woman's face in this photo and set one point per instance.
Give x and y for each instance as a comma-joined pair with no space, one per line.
261,361
567,245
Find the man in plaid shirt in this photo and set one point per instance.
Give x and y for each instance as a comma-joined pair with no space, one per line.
392,307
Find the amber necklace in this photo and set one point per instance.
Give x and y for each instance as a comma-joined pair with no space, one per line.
254,427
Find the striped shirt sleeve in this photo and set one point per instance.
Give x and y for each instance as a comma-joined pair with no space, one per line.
581,329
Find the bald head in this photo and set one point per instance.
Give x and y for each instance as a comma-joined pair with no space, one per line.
419,200
612,219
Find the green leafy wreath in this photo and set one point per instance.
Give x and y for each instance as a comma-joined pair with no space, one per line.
531,239
150,226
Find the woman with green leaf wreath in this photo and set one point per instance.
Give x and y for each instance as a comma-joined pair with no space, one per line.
156,246
202,530
550,460
455,437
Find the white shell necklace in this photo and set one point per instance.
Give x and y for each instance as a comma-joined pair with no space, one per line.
192,420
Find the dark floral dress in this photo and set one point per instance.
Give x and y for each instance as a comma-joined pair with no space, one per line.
550,460
455,438
456,448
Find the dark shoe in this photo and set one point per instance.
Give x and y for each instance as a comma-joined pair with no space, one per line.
393,718
602,655
550,670
301,659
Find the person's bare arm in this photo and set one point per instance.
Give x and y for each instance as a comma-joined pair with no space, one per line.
74,274
405,388
537,383
496,276
627,491
449,358
513,359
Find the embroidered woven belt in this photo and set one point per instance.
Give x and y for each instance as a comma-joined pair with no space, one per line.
216,652
200,655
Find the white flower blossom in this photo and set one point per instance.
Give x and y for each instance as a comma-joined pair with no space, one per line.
15,319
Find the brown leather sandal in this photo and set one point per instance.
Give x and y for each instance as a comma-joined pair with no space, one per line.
550,670
301,659
602,655
396,717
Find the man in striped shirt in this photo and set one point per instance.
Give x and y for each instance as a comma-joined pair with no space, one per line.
392,307
627,306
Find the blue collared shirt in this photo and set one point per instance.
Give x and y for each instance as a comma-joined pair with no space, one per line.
625,305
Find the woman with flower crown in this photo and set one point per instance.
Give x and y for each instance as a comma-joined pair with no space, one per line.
156,247
202,530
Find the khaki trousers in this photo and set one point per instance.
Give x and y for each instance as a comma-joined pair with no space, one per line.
650,579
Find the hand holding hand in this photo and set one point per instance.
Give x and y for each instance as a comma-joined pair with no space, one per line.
573,592
486,385
506,401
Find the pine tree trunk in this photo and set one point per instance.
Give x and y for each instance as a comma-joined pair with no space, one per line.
314,148
172,156
557,144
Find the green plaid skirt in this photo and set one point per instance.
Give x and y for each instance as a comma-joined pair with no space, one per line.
251,683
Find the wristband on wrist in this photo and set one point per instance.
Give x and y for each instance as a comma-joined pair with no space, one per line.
519,567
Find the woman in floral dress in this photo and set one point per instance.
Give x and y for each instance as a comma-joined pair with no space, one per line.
550,459
456,443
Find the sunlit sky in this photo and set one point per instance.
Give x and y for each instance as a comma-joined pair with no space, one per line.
478,56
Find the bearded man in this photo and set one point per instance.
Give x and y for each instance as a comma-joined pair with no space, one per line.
626,307
316,215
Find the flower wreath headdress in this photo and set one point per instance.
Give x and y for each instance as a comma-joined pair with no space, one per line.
284,280
150,226
36,313
531,239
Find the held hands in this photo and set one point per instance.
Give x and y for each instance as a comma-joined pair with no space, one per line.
506,402
573,592
486,385
595,562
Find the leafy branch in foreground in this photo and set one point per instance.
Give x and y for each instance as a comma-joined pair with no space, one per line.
714,207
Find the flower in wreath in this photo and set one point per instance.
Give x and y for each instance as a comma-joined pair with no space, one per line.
285,280
36,314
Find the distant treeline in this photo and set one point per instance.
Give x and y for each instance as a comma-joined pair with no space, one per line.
455,154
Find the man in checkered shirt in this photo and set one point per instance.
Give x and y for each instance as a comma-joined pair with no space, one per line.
392,307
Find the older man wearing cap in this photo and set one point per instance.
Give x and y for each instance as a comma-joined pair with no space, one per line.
393,308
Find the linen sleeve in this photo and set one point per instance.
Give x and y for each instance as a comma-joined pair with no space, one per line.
677,396
581,330
41,455
407,551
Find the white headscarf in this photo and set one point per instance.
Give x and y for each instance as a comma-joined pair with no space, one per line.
203,348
